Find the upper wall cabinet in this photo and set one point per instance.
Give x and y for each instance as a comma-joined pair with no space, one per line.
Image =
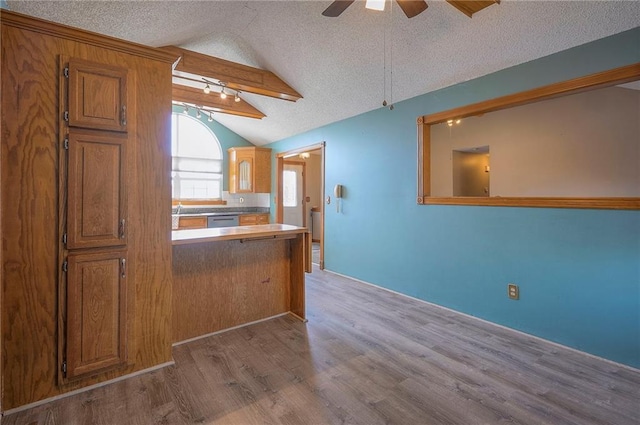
97,96
249,170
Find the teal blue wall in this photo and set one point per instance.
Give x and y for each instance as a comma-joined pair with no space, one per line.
578,270
226,137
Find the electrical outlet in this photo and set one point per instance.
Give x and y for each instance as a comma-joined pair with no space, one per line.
513,291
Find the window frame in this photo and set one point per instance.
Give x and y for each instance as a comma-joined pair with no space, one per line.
608,78
196,201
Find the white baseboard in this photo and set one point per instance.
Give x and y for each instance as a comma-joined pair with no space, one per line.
84,389
556,344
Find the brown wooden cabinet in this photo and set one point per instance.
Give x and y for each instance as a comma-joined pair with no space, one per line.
192,222
96,333
249,170
253,219
97,189
97,95
60,87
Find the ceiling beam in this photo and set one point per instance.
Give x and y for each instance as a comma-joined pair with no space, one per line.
235,76
470,7
214,102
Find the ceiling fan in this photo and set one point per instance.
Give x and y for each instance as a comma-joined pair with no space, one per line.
410,8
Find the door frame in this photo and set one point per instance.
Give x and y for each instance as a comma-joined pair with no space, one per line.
280,158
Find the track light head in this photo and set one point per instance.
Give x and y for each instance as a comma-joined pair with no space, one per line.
207,89
210,119
198,113
223,95
237,97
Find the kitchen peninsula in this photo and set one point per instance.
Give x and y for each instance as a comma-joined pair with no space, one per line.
230,276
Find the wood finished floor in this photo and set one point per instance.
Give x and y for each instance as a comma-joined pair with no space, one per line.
366,356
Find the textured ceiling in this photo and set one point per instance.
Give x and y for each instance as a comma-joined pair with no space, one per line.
338,64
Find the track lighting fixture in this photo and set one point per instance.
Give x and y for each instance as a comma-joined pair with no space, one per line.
224,92
199,110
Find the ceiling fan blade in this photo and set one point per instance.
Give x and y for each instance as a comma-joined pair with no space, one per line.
412,8
337,7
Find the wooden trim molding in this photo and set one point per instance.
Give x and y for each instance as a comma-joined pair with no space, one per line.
42,26
612,77
539,202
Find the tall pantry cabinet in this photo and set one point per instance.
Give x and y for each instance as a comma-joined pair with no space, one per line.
85,187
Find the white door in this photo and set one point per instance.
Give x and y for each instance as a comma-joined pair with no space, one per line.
293,192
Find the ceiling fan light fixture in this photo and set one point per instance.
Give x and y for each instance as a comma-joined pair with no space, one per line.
375,5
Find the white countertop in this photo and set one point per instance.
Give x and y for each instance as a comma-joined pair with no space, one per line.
261,231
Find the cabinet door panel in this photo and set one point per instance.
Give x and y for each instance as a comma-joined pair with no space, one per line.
96,215
97,96
192,222
96,312
245,174
247,219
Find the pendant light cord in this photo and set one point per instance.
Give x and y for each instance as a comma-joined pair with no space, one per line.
391,56
384,61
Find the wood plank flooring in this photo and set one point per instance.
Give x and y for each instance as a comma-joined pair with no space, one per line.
366,356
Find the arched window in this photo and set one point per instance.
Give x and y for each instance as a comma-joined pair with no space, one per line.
196,172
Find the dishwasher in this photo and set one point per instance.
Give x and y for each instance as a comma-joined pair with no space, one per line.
222,221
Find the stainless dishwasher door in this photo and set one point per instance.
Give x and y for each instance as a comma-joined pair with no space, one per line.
222,221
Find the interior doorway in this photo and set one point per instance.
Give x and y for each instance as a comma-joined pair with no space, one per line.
294,195
471,172
300,193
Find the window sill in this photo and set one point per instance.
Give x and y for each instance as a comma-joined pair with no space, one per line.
587,203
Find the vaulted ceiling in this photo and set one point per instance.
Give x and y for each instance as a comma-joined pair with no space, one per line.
339,65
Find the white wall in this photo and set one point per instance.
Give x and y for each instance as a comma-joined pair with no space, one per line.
584,145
